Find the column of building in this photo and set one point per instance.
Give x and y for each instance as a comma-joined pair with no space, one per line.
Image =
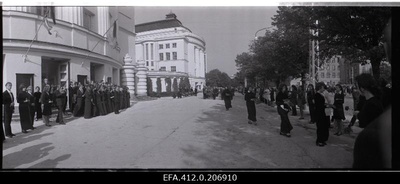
128,74
142,77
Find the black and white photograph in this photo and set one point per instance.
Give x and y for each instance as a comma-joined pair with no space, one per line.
251,87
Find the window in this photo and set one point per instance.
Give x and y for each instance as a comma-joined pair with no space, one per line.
147,52
328,75
88,19
168,56
161,56
333,75
167,46
152,63
322,75
163,68
327,67
174,55
147,63
174,45
161,46
151,48
173,68
333,67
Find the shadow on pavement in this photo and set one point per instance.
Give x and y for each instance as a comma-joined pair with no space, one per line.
233,143
232,139
51,163
15,159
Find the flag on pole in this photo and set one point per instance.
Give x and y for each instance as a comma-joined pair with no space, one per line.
53,14
46,22
115,29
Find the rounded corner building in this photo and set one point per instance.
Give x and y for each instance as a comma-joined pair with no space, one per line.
69,44
171,52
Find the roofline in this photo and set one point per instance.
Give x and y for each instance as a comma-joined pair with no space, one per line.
146,23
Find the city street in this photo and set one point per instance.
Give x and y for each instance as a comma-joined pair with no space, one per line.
178,133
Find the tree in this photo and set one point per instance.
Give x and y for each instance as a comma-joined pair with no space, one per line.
216,78
353,32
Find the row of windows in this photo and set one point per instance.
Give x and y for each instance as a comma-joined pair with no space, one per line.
163,68
328,75
328,67
167,46
168,56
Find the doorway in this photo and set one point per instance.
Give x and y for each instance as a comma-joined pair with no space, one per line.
26,79
82,79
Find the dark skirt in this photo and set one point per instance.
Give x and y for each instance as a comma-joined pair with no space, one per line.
323,124
312,113
38,110
338,112
251,111
78,107
286,126
25,116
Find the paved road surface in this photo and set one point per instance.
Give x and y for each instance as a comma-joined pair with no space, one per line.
177,133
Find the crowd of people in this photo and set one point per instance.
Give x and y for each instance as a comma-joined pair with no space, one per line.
87,100
370,98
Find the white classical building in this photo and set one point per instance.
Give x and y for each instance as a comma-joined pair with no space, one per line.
170,50
83,44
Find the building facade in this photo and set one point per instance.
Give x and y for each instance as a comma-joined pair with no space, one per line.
170,50
329,72
69,44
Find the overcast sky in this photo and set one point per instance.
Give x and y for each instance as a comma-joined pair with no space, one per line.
227,31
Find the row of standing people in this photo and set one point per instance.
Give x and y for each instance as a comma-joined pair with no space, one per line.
89,101
99,100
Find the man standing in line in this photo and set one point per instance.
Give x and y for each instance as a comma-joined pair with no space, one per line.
8,106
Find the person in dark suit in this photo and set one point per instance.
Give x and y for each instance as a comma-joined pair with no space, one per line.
95,109
293,99
79,102
283,107
116,100
88,102
8,107
122,98
127,97
250,98
320,115
310,101
110,105
227,96
112,98
31,105
24,114
46,102
99,101
60,94
38,108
